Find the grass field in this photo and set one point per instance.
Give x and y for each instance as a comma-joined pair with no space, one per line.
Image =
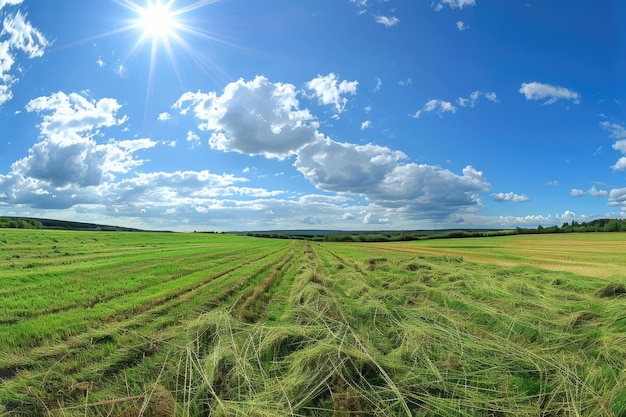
592,254
158,324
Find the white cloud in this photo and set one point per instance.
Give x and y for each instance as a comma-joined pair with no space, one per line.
440,106
620,145
474,96
9,3
620,165
617,132
491,96
372,218
329,90
193,137
516,198
454,4
617,197
68,154
379,84
242,119
575,192
255,117
417,191
17,36
594,192
387,21
344,167
366,125
460,25
164,117
74,114
540,91
553,183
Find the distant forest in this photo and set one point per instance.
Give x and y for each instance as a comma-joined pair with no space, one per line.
32,223
599,225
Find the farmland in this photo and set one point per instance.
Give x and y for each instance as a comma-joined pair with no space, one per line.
159,324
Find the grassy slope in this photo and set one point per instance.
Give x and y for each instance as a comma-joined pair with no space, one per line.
177,324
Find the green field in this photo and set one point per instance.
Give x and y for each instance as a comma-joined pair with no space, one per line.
163,324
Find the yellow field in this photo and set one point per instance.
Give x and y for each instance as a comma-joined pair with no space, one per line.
591,254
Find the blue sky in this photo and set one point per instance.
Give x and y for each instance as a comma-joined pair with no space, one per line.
313,114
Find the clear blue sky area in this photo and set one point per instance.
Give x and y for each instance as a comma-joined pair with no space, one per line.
313,114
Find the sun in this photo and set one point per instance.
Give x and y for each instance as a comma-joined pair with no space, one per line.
157,20
166,29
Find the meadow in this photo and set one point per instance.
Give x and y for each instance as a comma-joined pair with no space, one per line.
164,324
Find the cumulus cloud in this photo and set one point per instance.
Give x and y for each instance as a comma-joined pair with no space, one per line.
575,192
440,106
329,91
377,173
594,192
144,193
74,114
255,117
164,117
540,91
617,197
460,25
620,165
68,153
387,21
345,167
516,198
373,218
454,4
193,137
68,167
366,125
17,36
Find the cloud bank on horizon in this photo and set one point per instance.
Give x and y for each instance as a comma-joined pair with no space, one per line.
157,134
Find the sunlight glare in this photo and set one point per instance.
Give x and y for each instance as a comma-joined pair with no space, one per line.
157,21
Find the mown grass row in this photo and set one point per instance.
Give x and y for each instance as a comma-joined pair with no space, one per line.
275,328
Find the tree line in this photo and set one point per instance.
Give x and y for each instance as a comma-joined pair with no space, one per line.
598,225
8,222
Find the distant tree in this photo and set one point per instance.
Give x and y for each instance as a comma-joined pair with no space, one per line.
611,226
